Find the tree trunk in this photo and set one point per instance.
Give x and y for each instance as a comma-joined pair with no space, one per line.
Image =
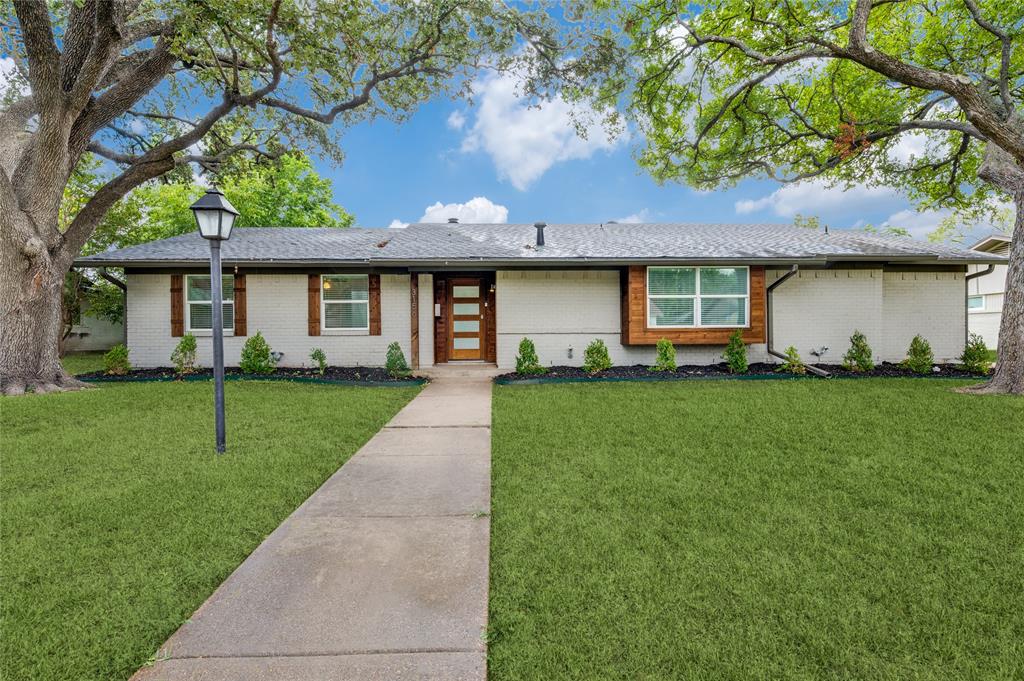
31,288
1009,373
1000,169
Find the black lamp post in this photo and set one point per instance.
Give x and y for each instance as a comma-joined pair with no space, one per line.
215,217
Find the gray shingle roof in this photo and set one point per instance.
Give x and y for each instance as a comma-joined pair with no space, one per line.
514,243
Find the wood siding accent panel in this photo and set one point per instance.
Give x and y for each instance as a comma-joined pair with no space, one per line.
441,321
374,304
490,320
313,316
241,327
414,319
177,305
634,315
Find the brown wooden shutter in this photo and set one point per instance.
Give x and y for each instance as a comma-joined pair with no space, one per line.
314,305
240,320
374,304
177,306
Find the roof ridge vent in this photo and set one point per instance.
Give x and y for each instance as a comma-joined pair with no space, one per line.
540,232
453,221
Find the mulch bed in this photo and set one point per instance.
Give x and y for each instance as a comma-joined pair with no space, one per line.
763,370
332,375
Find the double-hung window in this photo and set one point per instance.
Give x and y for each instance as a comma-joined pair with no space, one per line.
346,301
681,297
199,312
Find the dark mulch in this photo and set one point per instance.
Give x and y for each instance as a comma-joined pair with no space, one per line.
347,374
722,370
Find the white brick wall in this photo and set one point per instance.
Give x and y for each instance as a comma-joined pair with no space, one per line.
564,309
927,303
817,308
426,315
276,304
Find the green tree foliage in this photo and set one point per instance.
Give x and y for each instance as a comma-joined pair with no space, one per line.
923,96
666,356
919,356
527,361
858,357
975,355
735,354
256,357
394,361
595,357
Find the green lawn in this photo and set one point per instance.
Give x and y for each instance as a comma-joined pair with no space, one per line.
82,362
845,529
118,519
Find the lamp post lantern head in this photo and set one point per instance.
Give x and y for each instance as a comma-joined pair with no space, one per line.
215,215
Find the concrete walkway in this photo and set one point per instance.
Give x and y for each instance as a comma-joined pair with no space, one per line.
381,574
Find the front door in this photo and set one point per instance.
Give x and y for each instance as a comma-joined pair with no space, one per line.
466,318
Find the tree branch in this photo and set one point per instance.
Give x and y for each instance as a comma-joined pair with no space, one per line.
1006,46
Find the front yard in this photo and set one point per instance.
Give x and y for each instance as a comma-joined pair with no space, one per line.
862,529
119,519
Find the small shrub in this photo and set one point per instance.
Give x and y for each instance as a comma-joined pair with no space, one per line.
527,361
793,363
666,357
184,355
858,357
395,361
919,357
115,362
735,354
256,357
595,357
975,357
320,358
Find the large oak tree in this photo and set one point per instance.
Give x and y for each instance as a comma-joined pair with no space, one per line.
831,89
149,85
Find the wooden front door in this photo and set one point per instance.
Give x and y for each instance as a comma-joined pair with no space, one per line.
466,328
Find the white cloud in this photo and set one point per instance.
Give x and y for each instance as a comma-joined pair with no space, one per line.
642,215
398,224
524,141
908,146
918,223
456,120
477,210
815,198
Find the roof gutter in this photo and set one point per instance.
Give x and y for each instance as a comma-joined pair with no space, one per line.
769,327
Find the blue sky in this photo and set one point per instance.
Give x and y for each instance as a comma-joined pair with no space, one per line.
531,163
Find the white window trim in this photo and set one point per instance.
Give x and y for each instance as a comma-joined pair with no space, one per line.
340,331
984,303
696,297
228,330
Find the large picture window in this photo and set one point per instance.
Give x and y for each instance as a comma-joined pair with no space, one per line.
199,312
681,297
346,301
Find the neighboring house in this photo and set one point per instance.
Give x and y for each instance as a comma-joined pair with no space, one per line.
454,292
985,293
93,333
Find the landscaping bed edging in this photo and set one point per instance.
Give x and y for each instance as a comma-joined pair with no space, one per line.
756,372
358,376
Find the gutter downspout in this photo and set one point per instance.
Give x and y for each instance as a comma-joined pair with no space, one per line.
967,294
768,322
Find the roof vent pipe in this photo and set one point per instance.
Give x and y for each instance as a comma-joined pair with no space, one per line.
540,232
453,221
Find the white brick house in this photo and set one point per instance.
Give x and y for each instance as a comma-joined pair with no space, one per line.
452,292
